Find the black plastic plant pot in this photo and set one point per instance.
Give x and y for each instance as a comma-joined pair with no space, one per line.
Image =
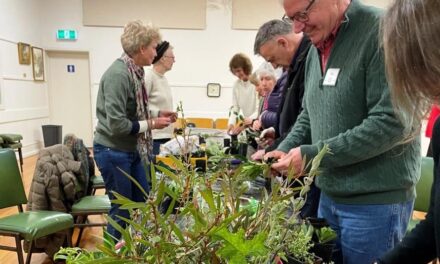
242,149
293,260
234,144
324,251
234,139
198,154
226,142
317,223
201,165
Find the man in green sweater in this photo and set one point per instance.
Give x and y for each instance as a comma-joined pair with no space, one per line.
367,184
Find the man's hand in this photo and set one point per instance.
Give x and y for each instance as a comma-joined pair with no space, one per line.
258,156
276,154
170,114
293,158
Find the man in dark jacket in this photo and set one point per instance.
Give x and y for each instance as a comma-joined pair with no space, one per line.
280,46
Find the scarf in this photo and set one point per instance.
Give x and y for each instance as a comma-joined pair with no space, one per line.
137,74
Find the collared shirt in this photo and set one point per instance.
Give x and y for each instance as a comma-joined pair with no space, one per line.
325,46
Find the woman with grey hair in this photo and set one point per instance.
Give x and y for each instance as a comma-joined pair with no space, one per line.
122,142
411,28
159,91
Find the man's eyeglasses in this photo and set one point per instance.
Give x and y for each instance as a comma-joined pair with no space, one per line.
302,16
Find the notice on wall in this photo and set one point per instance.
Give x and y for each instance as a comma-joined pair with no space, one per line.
71,68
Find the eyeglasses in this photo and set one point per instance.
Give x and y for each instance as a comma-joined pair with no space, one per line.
171,57
302,16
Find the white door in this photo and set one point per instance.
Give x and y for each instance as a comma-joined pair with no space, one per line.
70,93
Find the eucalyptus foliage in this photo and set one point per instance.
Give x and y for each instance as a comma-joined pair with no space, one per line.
208,220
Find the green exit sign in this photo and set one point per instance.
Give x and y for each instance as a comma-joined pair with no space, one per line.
67,34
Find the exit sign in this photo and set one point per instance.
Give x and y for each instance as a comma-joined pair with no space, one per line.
67,34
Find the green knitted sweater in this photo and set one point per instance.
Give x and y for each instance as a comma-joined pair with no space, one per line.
355,118
116,109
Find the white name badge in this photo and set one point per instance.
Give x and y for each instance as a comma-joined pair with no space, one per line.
331,77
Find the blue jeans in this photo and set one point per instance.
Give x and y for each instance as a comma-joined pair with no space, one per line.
109,162
365,232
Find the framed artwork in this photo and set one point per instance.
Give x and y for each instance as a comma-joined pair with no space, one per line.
24,53
38,63
213,89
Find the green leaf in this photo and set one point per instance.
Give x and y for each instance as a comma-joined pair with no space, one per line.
179,164
236,248
170,174
177,231
153,179
160,193
135,182
200,222
209,198
120,199
132,205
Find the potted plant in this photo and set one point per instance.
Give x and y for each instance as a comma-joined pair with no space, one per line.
210,219
323,239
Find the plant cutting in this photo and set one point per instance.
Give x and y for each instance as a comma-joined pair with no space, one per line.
211,218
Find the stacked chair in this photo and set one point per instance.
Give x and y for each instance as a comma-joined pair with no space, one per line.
221,123
30,225
89,203
200,122
13,141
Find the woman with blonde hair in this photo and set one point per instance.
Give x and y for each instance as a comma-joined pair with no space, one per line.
411,36
122,142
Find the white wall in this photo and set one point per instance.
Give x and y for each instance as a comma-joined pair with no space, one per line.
24,106
202,56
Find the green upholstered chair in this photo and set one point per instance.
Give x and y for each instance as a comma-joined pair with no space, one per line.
27,226
423,189
97,183
13,141
89,205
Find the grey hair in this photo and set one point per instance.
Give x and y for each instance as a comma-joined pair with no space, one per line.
269,31
136,35
266,69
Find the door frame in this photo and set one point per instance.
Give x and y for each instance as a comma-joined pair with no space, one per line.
50,85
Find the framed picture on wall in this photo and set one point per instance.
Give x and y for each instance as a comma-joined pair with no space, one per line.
24,53
213,89
38,63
